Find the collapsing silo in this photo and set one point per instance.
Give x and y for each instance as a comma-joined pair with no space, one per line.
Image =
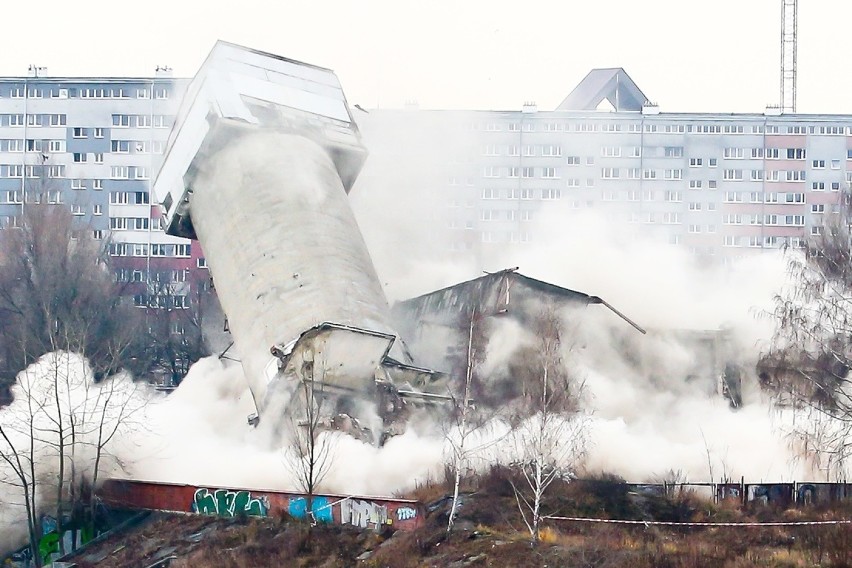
259,163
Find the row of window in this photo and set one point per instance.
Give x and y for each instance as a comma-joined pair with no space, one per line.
757,219
515,171
128,172
137,224
34,171
511,237
758,241
669,174
34,119
80,210
16,197
671,218
498,215
647,126
516,193
160,276
764,197
58,171
20,92
673,196
115,197
142,249
129,224
58,147
141,121
556,193
60,120
165,301
129,198
728,153
32,145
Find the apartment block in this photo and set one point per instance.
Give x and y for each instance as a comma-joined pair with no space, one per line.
722,185
94,145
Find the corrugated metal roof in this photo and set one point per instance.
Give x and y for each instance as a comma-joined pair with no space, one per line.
613,85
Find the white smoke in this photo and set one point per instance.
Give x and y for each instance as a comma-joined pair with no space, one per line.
59,414
646,418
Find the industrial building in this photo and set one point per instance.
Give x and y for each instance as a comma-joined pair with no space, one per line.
722,185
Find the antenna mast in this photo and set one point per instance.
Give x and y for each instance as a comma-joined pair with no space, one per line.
789,27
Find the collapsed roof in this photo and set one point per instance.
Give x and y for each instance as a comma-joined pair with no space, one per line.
434,323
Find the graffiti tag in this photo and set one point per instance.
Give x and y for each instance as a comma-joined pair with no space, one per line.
405,513
319,507
363,513
227,503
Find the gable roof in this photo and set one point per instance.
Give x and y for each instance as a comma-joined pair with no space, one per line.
613,85
476,290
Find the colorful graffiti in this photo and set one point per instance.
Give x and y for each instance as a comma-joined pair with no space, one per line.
363,513
227,503
48,546
320,509
367,512
52,545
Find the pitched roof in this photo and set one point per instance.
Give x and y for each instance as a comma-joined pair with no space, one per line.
469,290
613,85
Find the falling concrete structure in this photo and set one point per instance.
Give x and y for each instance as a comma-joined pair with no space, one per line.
258,166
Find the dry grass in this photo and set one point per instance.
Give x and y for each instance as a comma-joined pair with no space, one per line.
495,536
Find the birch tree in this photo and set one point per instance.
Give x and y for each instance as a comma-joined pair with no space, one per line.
471,428
809,361
462,412
551,439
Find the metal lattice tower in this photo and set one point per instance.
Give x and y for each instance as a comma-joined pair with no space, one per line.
789,27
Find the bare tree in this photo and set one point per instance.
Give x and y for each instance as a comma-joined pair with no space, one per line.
551,438
810,358
463,408
18,452
174,322
310,454
56,437
57,296
471,428
57,292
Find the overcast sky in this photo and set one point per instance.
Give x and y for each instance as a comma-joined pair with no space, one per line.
686,55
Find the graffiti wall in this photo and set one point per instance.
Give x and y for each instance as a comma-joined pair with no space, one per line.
364,512
226,503
321,509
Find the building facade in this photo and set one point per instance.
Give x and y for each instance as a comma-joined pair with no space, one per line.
720,185
463,182
94,145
